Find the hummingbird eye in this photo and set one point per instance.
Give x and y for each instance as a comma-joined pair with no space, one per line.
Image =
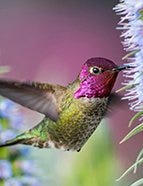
95,70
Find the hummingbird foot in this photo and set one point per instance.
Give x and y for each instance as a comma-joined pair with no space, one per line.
78,150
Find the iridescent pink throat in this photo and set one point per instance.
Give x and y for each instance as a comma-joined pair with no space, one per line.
92,87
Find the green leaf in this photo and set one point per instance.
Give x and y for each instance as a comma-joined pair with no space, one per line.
133,132
138,158
130,86
137,115
138,182
141,14
130,169
130,54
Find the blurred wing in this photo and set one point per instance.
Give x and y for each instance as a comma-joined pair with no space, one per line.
40,97
114,102
114,99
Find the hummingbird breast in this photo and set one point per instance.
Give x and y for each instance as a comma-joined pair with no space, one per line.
77,122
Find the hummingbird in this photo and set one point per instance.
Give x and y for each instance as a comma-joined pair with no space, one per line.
71,113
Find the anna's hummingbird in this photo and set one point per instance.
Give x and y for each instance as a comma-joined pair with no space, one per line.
72,113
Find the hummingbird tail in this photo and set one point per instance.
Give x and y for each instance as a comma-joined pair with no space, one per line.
23,138
11,142
35,136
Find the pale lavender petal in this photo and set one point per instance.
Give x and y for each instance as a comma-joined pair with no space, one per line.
132,27
28,167
5,169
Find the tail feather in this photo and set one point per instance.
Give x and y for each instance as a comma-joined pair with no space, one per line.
11,142
30,137
20,139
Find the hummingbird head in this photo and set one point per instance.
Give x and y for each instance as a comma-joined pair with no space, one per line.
97,78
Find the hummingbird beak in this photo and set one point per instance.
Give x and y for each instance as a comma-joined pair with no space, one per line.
122,67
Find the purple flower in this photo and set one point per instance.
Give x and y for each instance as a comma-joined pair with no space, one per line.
5,169
23,169
27,166
30,181
23,181
13,182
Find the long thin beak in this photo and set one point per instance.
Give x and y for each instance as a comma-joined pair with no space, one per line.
122,67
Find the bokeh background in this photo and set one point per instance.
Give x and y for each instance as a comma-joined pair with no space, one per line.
48,41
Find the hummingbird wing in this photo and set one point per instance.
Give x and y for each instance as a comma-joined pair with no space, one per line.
39,97
114,102
114,99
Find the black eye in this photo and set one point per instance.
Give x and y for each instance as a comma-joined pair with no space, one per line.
95,70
